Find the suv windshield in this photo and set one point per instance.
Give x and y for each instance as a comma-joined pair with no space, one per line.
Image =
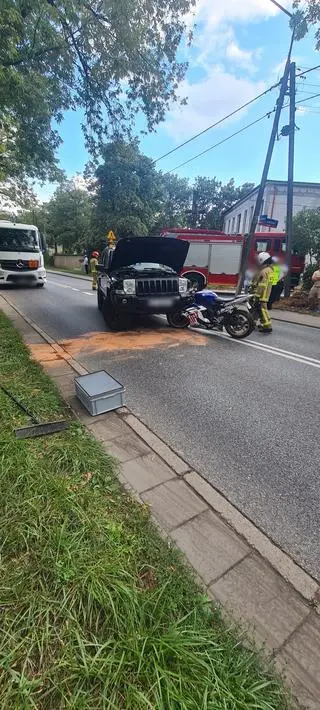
18,239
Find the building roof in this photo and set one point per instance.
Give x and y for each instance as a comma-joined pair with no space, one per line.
271,182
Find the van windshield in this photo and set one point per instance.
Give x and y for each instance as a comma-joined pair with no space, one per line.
18,239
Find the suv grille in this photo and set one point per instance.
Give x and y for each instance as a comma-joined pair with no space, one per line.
12,265
157,287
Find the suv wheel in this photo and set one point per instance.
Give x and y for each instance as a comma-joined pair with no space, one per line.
112,319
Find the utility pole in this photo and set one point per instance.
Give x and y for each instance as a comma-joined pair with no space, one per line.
292,127
258,205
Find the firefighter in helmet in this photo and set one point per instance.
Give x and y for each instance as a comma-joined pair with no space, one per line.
263,285
93,266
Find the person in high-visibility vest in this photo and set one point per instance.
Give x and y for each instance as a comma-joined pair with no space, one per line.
93,266
279,272
262,291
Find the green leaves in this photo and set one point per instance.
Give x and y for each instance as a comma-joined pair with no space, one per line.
110,59
306,233
307,13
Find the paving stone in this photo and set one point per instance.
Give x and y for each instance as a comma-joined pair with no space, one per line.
110,427
300,580
57,368
179,466
253,592
126,447
173,503
65,384
210,545
80,411
301,660
146,472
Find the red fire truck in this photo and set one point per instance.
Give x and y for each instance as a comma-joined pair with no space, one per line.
214,258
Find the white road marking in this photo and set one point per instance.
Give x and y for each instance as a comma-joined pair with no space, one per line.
72,288
304,359
271,349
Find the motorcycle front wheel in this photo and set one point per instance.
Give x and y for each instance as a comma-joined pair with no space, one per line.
240,326
176,319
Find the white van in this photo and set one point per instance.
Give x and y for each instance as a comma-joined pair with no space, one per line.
21,254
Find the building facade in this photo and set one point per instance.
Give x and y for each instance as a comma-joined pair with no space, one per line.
238,218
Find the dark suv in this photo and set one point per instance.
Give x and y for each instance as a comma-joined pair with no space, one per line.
141,276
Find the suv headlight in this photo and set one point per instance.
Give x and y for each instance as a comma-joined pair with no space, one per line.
183,285
129,287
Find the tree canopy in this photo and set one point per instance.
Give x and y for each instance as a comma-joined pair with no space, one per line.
306,233
307,13
111,59
127,191
127,194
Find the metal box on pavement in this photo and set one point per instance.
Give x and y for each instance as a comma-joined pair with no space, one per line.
99,392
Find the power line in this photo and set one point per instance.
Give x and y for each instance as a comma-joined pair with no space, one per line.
308,70
244,128
233,113
308,98
221,120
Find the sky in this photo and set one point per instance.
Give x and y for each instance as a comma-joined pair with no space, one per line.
238,51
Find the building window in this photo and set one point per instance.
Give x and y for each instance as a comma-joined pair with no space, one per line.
251,213
245,217
262,245
238,223
233,222
229,223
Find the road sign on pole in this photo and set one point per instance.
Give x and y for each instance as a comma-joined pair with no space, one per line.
111,238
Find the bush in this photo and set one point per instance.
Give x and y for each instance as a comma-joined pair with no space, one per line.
307,276
48,260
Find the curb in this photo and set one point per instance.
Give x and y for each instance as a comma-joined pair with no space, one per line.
281,562
293,322
68,275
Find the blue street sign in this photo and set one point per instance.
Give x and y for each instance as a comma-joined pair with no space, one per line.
268,221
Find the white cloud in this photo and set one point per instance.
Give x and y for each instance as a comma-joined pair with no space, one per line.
243,57
215,11
227,66
210,100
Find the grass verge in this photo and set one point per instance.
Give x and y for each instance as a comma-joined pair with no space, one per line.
76,272
97,611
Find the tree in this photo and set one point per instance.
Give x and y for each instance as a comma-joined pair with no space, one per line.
307,13
68,218
128,191
212,199
306,233
110,59
176,196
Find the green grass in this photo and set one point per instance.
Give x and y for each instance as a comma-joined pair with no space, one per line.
97,611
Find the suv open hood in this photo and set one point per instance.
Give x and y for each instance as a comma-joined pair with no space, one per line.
151,250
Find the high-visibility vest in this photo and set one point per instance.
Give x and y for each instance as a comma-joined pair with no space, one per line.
276,274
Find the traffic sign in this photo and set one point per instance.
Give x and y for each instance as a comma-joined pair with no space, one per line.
111,237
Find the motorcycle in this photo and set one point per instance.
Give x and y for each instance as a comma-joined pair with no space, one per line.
214,312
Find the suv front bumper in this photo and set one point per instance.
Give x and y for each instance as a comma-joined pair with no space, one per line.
150,304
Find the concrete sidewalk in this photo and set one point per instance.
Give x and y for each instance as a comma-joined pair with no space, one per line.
69,275
236,563
298,318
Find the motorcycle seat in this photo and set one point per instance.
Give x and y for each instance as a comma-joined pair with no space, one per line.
225,299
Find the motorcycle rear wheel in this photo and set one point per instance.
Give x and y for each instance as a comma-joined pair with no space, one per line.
242,326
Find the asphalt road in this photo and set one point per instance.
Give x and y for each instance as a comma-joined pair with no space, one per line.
244,414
